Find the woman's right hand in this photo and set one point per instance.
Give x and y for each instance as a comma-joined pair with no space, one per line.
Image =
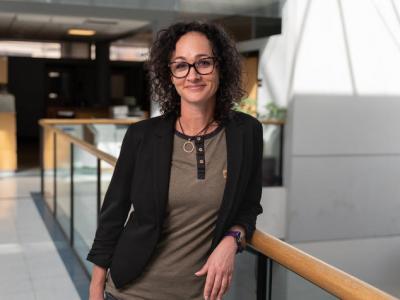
96,289
96,295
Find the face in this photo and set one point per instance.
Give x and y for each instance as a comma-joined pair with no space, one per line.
194,47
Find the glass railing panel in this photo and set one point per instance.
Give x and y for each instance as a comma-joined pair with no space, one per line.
105,176
85,202
63,177
48,166
272,156
287,285
107,137
76,130
244,281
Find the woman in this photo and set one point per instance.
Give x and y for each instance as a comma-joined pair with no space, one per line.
193,176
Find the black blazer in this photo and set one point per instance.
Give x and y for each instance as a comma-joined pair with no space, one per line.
141,179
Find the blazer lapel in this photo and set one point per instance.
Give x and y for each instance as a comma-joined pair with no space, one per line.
162,155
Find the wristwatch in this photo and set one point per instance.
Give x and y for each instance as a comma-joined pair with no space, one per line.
238,238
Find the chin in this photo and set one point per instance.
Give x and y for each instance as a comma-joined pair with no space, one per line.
195,98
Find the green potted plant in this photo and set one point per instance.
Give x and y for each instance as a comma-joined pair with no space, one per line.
275,112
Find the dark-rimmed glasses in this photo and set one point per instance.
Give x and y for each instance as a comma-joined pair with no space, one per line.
203,66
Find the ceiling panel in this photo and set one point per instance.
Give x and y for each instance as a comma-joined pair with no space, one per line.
56,27
33,18
67,20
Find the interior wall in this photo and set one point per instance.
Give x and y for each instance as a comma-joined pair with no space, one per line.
340,81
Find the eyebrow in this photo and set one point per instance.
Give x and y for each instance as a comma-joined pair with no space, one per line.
198,55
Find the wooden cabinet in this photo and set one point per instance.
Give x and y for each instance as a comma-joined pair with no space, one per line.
3,70
8,142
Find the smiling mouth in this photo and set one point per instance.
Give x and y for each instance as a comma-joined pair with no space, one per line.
195,87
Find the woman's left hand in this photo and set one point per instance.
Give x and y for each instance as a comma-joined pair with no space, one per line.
219,269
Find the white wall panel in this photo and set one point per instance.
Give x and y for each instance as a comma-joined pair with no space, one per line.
375,260
343,197
345,125
273,218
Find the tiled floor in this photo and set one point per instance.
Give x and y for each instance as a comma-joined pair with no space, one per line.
31,267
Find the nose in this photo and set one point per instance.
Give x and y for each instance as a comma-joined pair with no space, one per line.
193,75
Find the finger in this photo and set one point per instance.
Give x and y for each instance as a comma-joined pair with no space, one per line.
209,284
216,286
224,287
202,271
229,280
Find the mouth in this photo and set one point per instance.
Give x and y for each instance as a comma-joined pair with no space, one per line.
195,87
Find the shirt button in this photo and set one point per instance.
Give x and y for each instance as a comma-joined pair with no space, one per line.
200,149
201,161
198,138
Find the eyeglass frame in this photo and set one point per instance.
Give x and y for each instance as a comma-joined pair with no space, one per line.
194,66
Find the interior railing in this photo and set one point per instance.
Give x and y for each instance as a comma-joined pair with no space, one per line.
75,175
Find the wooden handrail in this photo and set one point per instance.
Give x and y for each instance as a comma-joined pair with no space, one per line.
327,277
89,121
123,121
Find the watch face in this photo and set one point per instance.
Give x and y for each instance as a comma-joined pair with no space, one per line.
237,235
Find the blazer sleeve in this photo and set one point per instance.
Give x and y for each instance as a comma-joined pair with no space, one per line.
116,204
250,206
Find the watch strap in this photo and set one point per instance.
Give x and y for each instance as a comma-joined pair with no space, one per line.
236,234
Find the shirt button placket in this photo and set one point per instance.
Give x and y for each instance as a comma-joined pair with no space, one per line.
201,171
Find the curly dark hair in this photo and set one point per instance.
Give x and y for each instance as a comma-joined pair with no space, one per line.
229,65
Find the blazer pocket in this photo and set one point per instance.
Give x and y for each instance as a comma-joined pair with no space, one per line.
132,252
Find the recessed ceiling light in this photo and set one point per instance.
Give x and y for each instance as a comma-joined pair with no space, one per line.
81,32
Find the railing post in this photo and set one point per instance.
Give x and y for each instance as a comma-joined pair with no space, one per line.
41,154
98,189
72,192
261,276
269,265
281,150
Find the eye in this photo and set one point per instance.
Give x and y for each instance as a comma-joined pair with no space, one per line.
204,63
180,66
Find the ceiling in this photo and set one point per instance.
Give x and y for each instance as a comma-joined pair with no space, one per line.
133,21
55,27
